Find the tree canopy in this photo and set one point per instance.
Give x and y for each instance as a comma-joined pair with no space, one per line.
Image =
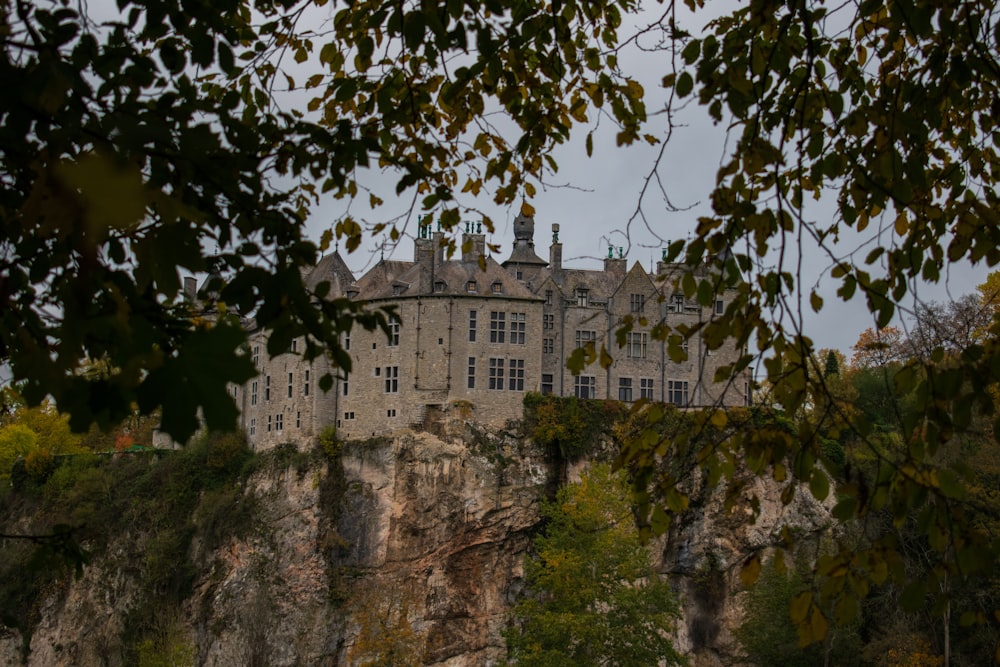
152,144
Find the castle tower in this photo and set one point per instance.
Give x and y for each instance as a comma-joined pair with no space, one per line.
523,262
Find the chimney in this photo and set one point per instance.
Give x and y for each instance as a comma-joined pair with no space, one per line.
473,243
555,252
615,265
191,289
423,245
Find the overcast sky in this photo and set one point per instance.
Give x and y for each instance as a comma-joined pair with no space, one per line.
594,200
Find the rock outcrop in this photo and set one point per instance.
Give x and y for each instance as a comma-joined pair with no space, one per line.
417,540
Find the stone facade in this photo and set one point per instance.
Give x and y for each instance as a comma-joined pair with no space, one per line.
471,336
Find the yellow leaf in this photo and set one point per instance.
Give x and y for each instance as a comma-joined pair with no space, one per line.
902,224
527,209
719,419
750,571
800,607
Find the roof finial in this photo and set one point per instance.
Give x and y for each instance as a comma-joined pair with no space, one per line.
611,251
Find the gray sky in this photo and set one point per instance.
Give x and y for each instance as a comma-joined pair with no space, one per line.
594,200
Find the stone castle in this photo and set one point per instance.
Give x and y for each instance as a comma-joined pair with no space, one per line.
471,336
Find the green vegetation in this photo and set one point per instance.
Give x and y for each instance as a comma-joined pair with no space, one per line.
161,501
568,426
593,597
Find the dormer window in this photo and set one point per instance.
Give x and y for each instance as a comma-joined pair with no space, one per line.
470,286
582,297
397,290
439,286
497,287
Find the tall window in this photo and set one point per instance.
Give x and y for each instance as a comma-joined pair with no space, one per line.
290,381
548,346
298,420
269,423
646,388
546,384
517,328
636,345
548,321
279,422
625,389
253,426
393,331
472,326
345,387
637,302
677,392
677,303
582,298
305,385
391,379
295,345
267,388
548,297
583,337
472,372
498,327
496,373
585,386
256,356
515,380
720,307
253,393
347,341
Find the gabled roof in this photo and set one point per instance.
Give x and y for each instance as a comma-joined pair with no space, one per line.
414,279
334,270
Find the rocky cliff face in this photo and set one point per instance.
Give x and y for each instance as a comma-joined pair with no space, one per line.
412,544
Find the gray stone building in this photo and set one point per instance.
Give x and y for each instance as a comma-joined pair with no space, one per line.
471,336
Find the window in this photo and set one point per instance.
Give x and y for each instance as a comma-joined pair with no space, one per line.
397,290
378,371
470,286
548,346
391,412
676,304
472,326
391,379
585,386
347,341
496,373
497,287
439,286
584,337
548,297
253,393
720,307
637,302
267,388
279,422
517,328
295,345
636,345
497,326
582,298
646,388
348,415
345,386
472,372
256,356
518,274
625,389
546,384
305,385
269,423
548,322
515,380
298,420
290,382
393,332
253,426
677,392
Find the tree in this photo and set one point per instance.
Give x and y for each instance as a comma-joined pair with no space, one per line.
593,597
136,146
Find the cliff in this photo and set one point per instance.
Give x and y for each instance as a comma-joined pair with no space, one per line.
411,544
